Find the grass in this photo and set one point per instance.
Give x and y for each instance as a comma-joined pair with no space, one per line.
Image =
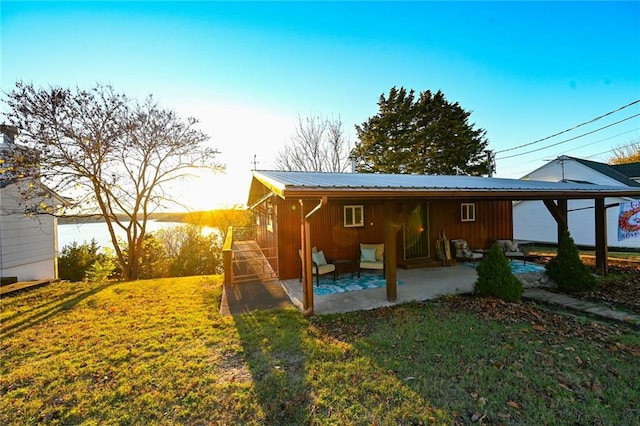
157,352
612,254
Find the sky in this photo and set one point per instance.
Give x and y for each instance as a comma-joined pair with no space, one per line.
248,70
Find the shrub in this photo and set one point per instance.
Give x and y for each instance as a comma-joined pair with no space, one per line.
568,270
180,251
85,261
102,268
495,278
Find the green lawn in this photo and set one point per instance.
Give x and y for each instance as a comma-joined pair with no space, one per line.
157,352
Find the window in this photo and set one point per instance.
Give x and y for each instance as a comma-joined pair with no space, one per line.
468,212
353,216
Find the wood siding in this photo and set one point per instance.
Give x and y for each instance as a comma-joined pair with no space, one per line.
493,221
26,243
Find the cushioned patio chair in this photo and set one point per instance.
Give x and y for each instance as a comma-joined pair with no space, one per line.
371,257
462,251
511,250
320,265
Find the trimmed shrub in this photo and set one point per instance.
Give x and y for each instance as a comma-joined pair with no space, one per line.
568,270
495,278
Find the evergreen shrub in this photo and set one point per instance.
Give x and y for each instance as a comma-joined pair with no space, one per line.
495,278
567,269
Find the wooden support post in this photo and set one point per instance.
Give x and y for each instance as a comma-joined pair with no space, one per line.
559,213
307,271
391,230
563,224
602,254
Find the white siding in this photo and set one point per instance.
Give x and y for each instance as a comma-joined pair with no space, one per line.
556,170
533,222
27,244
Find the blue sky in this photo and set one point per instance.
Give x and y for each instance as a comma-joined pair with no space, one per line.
248,70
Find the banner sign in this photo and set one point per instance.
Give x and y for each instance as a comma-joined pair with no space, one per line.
629,220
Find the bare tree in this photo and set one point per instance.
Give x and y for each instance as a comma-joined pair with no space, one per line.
318,145
111,156
625,154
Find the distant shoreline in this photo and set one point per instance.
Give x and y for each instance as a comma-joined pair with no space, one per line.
196,217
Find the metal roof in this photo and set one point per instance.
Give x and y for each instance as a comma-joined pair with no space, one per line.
363,185
614,172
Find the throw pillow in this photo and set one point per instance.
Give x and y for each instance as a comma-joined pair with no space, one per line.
318,258
368,255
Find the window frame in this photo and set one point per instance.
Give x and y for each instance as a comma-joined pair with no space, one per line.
467,212
354,209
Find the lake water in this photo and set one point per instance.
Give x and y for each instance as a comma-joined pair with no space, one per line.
68,233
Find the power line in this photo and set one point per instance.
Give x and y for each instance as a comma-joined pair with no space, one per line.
570,139
570,129
612,149
590,143
587,157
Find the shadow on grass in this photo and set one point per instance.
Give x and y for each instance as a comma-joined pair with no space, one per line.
274,349
35,316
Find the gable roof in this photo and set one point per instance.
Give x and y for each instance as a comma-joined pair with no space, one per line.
617,173
630,170
390,186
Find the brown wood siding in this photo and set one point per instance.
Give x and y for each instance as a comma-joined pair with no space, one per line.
493,220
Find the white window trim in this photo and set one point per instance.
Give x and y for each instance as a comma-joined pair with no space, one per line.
468,212
354,209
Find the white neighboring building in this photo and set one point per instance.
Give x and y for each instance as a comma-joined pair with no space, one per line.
533,222
28,244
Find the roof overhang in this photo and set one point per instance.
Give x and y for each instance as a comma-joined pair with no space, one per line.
303,185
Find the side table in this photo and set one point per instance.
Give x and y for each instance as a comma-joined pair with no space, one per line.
344,266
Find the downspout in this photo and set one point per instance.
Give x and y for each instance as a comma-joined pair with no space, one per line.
308,276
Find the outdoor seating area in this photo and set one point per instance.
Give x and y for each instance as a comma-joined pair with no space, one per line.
320,266
512,250
351,293
462,251
371,257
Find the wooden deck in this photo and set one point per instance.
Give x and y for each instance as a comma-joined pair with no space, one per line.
23,285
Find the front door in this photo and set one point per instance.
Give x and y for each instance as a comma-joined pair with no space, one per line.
416,233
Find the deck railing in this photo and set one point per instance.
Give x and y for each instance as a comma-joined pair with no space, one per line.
244,260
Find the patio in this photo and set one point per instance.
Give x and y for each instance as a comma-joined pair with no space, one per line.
415,285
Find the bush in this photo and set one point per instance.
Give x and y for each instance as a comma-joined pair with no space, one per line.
76,262
495,278
180,251
568,270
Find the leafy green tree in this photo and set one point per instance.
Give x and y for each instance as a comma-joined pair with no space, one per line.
423,135
495,278
568,270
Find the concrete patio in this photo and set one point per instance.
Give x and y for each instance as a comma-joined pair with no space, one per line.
416,285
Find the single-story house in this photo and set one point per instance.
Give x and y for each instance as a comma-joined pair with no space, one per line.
532,221
336,212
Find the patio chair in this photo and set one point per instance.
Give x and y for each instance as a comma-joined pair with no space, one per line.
511,250
371,257
463,252
320,265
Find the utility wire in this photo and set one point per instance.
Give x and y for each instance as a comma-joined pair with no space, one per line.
570,129
570,139
612,149
589,144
